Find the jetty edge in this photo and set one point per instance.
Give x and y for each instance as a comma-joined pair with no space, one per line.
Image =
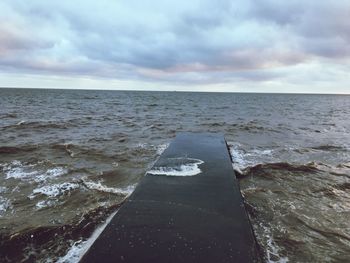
195,218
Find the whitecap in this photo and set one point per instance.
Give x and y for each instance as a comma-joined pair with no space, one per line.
54,190
142,145
50,173
30,172
263,152
45,203
237,169
238,156
161,148
178,167
18,170
273,253
271,248
125,191
5,204
20,123
242,158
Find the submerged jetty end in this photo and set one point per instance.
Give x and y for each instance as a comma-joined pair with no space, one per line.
187,208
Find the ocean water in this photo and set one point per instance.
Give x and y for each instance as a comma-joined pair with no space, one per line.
68,159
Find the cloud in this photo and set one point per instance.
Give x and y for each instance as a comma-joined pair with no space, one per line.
177,42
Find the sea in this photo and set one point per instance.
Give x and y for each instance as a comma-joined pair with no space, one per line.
69,158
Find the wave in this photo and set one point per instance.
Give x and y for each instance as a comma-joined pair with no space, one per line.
8,116
273,254
295,208
5,204
30,171
75,150
320,179
324,232
80,247
323,148
124,153
309,168
3,189
161,148
337,170
40,125
252,127
71,149
124,192
328,147
216,124
343,186
53,190
40,243
50,194
15,149
242,158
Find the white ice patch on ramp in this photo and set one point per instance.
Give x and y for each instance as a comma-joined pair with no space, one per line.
178,167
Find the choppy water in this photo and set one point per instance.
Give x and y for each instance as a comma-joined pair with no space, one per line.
68,159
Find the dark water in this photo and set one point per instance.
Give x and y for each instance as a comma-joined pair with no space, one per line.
69,158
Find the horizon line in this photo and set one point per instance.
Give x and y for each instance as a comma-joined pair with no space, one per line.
183,91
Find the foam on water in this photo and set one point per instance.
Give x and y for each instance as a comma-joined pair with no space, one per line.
5,204
80,247
141,145
262,152
3,189
126,191
273,253
50,173
182,167
237,155
54,172
161,148
30,172
54,190
45,203
18,170
272,250
243,158
21,122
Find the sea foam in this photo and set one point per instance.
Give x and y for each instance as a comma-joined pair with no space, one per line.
54,190
52,193
30,172
3,189
161,148
179,167
79,248
125,191
5,204
243,158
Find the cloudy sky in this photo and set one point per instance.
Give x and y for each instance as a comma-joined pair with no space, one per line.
222,45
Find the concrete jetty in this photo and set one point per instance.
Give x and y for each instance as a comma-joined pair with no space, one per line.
188,208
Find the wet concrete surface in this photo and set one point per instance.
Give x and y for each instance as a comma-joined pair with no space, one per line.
199,218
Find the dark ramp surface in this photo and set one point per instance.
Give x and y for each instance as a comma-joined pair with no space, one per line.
198,218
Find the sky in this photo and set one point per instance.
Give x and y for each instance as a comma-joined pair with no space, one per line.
300,46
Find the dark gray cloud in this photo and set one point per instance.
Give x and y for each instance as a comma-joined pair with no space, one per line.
186,41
